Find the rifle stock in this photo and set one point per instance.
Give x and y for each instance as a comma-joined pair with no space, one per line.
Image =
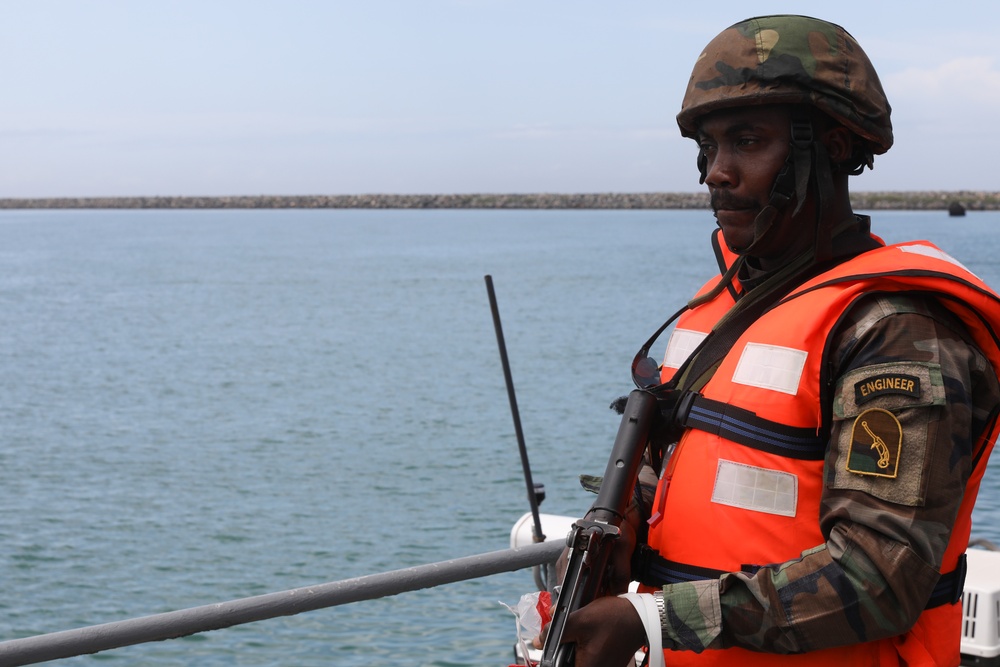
593,538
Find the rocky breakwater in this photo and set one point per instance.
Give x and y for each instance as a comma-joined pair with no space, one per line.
513,201
926,201
972,201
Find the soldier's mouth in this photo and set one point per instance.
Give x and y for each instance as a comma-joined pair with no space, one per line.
723,201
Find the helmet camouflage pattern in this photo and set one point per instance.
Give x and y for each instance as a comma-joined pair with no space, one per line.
790,60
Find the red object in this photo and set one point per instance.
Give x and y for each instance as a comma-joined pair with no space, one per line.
544,607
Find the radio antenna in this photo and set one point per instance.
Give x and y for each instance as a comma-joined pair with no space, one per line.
536,493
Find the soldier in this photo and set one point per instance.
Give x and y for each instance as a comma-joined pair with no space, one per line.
836,398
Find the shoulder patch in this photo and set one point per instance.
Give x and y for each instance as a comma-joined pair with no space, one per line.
876,442
886,383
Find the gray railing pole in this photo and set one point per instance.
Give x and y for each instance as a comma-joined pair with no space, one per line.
171,625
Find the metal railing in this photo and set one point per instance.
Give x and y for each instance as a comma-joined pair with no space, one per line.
174,624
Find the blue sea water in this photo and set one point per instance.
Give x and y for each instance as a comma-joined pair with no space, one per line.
200,406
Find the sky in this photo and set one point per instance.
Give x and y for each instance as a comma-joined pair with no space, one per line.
305,97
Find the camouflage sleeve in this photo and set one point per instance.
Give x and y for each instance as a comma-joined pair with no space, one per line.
911,394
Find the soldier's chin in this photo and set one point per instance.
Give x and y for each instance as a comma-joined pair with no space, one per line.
737,228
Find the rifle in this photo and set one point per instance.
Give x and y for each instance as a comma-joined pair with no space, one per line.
592,538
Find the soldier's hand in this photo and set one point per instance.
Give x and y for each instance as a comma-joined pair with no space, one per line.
607,633
620,573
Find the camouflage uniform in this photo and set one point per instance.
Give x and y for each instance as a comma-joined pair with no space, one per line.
880,538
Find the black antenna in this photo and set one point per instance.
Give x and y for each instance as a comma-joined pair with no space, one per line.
533,491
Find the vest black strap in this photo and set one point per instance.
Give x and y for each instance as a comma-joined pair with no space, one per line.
651,569
746,428
950,586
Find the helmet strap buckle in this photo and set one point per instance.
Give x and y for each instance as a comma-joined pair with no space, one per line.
802,140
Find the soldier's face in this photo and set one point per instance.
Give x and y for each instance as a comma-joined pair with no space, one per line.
744,149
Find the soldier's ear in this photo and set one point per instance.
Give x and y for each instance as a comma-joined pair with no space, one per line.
839,142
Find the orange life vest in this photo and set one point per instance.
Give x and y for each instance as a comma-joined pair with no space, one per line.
775,372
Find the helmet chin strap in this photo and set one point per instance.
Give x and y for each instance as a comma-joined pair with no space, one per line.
777,202
782,192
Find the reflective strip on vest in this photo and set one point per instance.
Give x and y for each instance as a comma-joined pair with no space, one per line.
936,253
771,367
680,346
756,489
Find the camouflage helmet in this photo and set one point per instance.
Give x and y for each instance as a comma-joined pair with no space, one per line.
789,59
